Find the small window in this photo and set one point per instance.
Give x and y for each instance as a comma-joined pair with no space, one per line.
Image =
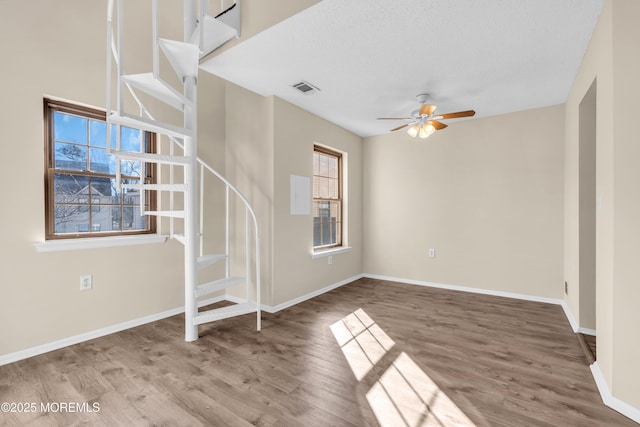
82,198
327,198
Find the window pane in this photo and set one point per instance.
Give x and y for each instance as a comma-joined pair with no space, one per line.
113,136
71,218
102,191
70,156
130,139
101,162
335,216
324,165
130,168
112,195
97,133
131,197
132,220
323,187
69,128
102,220
333,167
316,163
70,188
332,191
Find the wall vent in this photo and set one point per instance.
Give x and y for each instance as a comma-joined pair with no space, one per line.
306,88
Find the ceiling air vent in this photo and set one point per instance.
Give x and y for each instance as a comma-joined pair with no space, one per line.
306,87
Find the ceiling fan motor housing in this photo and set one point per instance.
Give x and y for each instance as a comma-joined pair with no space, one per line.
422,98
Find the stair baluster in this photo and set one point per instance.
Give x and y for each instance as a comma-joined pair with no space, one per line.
202,34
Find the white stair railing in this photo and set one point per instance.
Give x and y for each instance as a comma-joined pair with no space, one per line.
183,56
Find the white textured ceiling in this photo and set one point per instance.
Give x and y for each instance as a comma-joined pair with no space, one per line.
370,58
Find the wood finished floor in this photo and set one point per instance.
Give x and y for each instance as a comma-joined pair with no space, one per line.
456,357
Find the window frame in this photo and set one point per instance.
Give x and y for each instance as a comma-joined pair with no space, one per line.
340,222
51,106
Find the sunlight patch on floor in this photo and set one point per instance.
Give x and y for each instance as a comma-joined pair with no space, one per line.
362,341
403,395
406,396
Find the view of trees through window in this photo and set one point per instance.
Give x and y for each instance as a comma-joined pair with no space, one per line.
327,198
83,197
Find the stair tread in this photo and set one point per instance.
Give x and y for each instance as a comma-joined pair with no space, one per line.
225,312
157,187
149,125
216,33
182,56
151,157
155,87
206,260
218,285
169,214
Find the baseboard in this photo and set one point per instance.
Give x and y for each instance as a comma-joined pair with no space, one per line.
587,331
467,289
298,300
76,339
608,399
572,320
574,323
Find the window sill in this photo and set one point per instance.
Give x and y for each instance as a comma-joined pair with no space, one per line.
330,252
97,242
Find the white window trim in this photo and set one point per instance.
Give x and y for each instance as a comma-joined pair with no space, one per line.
98,242
330,252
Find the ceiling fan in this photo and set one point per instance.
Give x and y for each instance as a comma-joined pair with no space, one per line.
423,121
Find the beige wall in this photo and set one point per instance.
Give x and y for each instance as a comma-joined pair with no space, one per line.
249,166
295,273
268,140
612,59
626,190
486,194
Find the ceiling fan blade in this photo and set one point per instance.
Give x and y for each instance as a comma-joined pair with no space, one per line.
438,125
394,118
458,114
427,109
399,127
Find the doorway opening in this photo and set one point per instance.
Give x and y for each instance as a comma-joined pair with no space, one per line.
587,213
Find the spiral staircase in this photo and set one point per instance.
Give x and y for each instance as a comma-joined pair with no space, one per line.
185,194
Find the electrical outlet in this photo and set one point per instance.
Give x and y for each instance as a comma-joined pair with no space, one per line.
432,253
330,260
566,288
86,282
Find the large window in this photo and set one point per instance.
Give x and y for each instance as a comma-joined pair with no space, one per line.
327,198
82,198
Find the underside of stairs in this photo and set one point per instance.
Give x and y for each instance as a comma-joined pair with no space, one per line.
205,30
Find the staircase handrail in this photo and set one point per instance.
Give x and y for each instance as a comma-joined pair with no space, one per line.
113,55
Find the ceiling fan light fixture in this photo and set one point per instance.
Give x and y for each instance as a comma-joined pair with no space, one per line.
429,128
413,131
423,133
